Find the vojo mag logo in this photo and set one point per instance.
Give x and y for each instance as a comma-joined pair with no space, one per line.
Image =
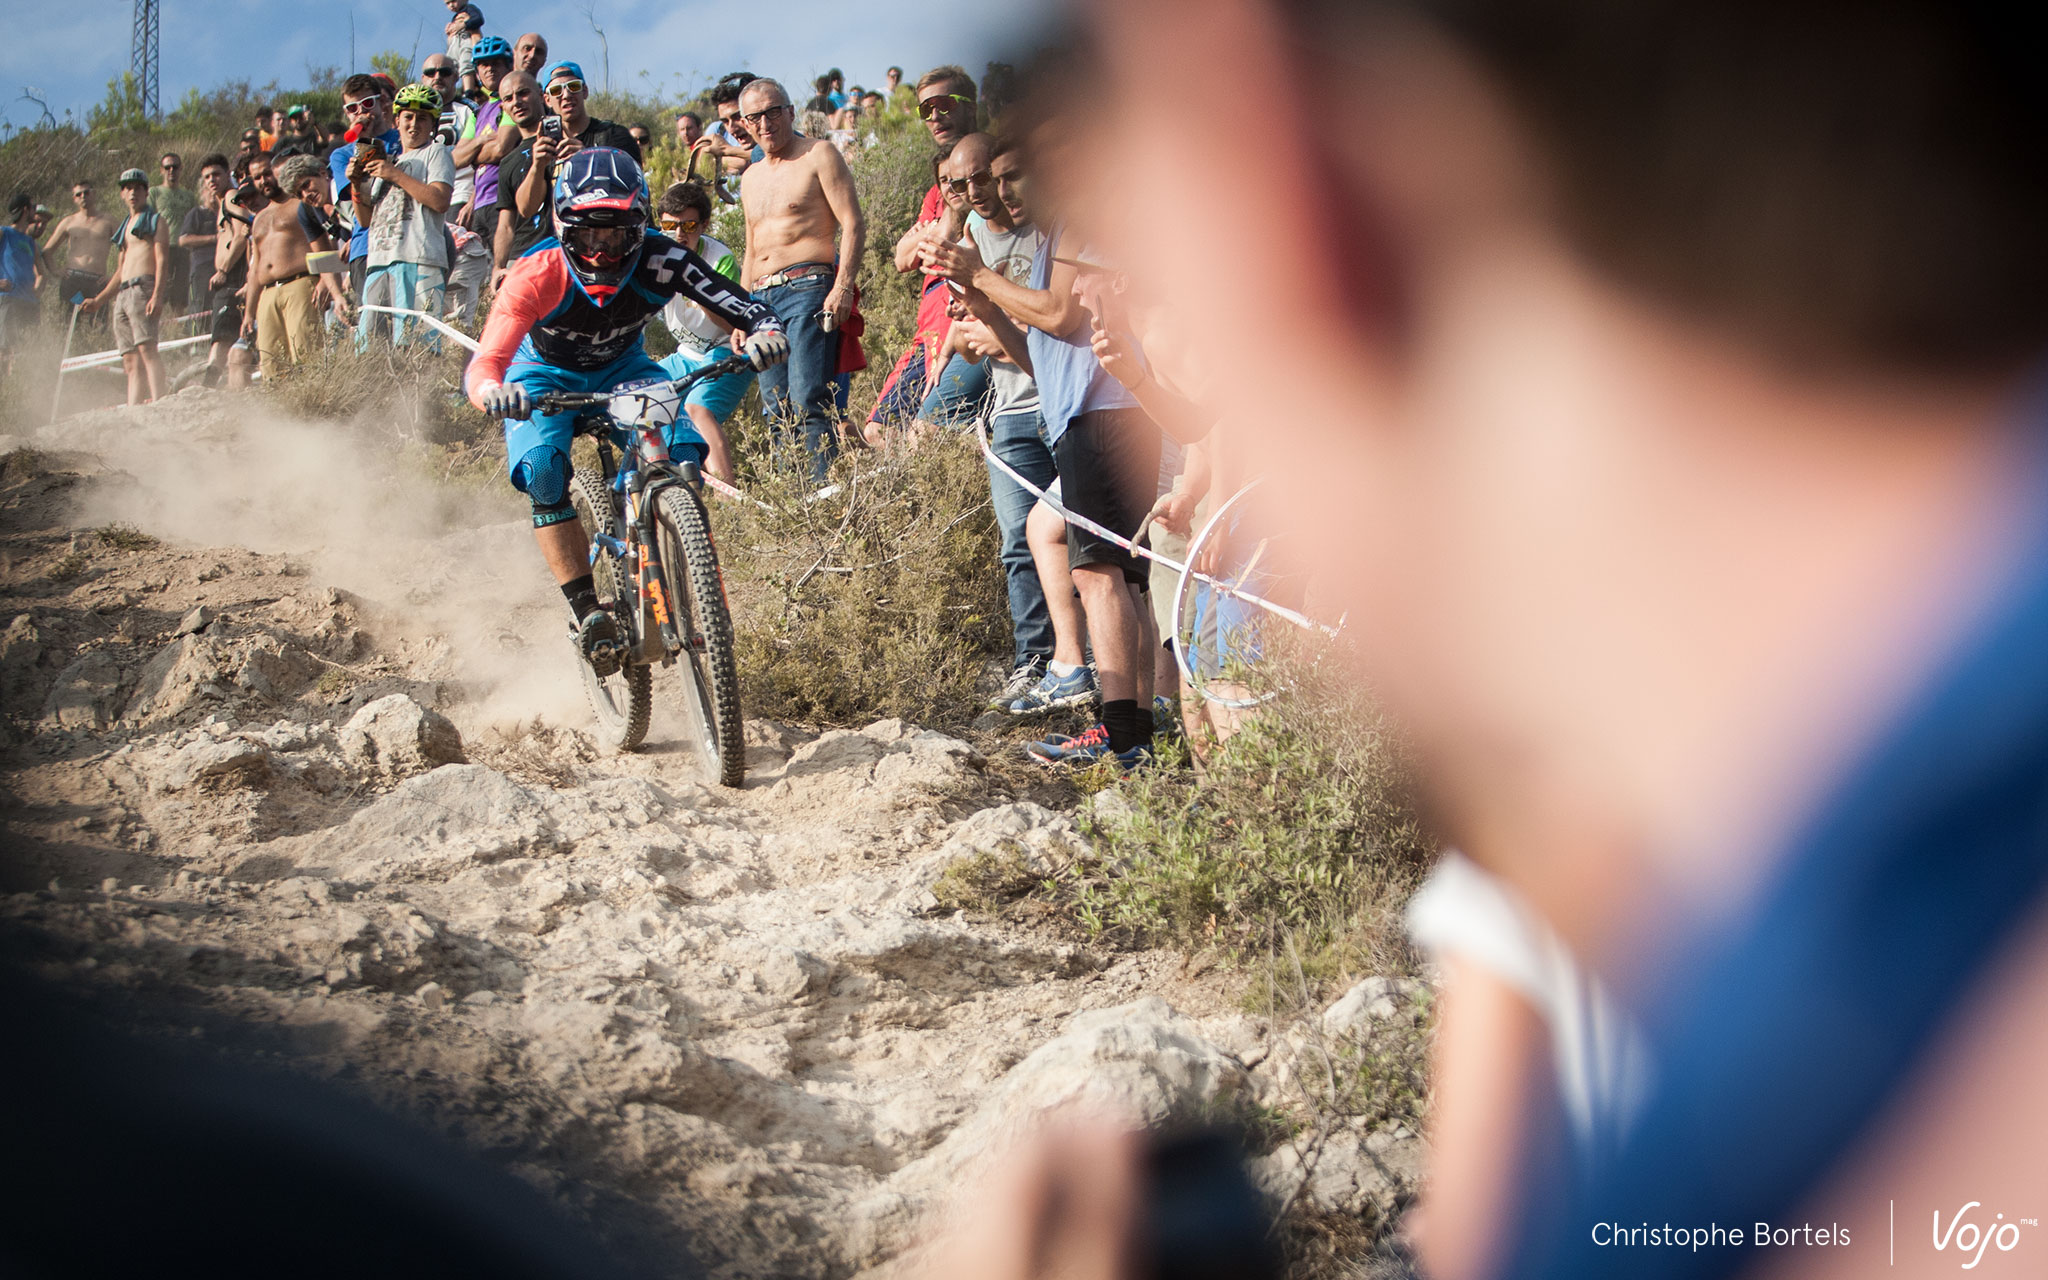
1973,1239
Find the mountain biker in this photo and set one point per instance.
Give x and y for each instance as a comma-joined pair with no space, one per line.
569,318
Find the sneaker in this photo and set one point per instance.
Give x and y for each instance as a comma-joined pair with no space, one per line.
1022,681
1052,692
1084,748
1089,748
597,637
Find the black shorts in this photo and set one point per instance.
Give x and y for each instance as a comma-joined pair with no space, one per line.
227,314
1109,472
78,282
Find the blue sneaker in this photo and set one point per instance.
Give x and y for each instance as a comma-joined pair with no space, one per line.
1052,692
1087,749
1084,748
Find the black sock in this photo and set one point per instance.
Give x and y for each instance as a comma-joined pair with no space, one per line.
1128,724
581,593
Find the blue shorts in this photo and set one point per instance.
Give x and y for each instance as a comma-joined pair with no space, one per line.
557,430
958,396
721,395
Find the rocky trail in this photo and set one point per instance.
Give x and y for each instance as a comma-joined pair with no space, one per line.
295,747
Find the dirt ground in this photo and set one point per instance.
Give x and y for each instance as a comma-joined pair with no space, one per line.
296,759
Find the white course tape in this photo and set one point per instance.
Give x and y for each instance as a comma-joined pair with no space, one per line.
435,321
96,358
75,363
1278,610
1181,596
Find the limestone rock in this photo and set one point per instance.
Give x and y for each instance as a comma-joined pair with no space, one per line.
395,737
210,760
1374,1000
86,693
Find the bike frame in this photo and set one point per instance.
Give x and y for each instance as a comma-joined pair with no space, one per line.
637,479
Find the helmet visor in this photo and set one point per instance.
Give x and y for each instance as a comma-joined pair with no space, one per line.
601,248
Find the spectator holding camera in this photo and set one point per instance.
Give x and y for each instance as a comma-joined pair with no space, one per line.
456,126
369,113
404,207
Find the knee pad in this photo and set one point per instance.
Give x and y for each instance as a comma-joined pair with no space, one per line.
543,475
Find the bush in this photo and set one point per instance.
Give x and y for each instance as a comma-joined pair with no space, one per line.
1297,849
885,599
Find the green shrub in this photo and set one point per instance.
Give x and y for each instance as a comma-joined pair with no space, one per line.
1301,843
885,599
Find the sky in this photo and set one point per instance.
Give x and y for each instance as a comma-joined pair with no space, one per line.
677,46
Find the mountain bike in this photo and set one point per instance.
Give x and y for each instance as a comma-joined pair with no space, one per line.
656,568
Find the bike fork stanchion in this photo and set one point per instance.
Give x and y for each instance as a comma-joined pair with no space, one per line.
57,398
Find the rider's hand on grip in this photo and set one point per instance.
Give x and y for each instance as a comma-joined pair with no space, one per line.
506,400
767,350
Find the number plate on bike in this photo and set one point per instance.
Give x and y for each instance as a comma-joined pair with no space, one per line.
653,403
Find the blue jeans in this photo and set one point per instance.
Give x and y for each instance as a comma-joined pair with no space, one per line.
957,398
800,391
1019,439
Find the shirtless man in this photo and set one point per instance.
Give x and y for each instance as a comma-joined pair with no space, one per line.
137,289
239,208
282,302
797,199
84,234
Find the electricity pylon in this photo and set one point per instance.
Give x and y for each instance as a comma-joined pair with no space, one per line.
142,57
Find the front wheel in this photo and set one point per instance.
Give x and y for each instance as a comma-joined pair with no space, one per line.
710,669
623,702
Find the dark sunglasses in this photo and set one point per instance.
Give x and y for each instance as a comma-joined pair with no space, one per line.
958,186
929,107
437,71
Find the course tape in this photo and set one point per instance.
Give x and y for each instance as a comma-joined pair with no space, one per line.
1277,610
93,359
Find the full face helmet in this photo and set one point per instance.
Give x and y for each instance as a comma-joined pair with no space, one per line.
601,214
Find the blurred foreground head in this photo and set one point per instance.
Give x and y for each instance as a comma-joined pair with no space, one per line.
1634,365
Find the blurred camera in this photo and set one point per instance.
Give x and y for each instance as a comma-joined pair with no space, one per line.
1204,1220
551,128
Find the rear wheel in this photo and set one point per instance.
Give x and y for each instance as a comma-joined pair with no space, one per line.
710,669
623,702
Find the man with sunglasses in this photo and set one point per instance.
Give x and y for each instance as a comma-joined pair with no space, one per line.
369,113
456,126
728,142
526,179
86,235
491,139
805,238
172,200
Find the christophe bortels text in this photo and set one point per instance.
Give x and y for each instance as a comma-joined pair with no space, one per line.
1644,1236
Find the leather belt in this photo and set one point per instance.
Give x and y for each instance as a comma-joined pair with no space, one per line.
135,283
296,275
802,271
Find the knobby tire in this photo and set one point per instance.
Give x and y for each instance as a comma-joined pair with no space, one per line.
711,678
623,703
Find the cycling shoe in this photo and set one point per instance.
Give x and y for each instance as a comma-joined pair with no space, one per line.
597,636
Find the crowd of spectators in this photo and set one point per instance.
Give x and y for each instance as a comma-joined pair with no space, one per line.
416,203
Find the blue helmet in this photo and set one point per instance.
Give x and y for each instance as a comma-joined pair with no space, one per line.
490,47
601,215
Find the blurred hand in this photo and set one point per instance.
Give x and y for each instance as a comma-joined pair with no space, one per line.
1119,357
150,308
546,151
949,258
980,339
1175,513
1065,1207
840,303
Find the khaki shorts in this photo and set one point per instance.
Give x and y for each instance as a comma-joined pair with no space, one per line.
133,325
287,325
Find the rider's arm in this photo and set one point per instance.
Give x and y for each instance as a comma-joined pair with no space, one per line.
533,289
693,278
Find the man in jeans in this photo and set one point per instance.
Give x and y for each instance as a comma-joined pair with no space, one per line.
802,215
1005,245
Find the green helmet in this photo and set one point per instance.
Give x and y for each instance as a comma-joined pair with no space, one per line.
417,97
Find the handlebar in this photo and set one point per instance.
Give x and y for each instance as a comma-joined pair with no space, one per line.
567,401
